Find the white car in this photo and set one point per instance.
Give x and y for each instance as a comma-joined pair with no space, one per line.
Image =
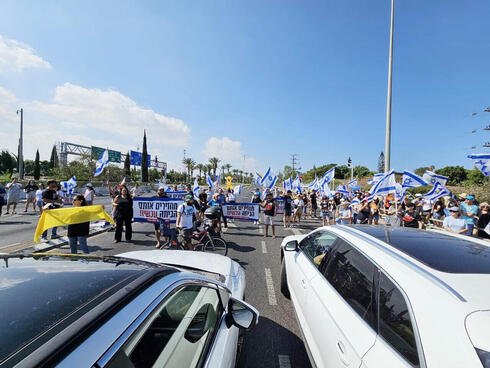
374,296
138,309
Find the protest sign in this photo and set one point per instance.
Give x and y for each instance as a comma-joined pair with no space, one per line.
150,209
180,194
280,206
241,211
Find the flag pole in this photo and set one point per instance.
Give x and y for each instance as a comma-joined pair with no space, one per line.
388,102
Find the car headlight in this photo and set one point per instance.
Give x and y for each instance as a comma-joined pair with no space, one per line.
484,357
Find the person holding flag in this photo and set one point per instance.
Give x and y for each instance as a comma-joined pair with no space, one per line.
270,208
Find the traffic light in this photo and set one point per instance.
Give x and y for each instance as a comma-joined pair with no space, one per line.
349,162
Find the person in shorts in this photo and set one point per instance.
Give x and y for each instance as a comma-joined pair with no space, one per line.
39,197
160,224
270,206
288,206
299,204
30,190
324,211
314,205
186,213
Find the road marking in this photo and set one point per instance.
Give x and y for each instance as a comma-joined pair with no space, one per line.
231,224
261,229
224,229
296,231
270,287
264,247
284,361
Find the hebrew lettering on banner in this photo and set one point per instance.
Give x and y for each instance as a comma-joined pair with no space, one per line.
241,211
155,209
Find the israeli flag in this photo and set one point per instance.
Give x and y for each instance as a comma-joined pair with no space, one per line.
437,191
69,185
353,185
258,178
102,163
298,189
376,178
326,190
411,180
385,185
297,181
288,184
195,188
237,189
342,189
313,184
482,162
268,180
209,181
218,180
328,176
432,178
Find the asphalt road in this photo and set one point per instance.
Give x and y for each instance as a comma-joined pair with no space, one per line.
276,341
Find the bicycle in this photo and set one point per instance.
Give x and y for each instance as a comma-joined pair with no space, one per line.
205,241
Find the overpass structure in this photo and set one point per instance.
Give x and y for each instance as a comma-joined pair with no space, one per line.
66,148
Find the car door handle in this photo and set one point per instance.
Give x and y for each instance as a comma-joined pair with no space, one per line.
341,349
304,284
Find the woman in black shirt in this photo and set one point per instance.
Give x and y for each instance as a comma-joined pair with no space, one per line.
78,232
30,190
483,220
123,214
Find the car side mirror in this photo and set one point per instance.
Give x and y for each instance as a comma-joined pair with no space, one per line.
291,246
241,314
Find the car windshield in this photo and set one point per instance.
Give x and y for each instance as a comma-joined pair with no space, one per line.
442,252
37,294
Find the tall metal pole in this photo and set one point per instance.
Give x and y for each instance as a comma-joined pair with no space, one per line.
21,139
388,102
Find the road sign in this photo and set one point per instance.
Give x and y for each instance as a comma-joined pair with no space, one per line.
136,157
114,156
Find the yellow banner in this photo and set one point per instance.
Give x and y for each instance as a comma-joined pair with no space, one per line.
68,216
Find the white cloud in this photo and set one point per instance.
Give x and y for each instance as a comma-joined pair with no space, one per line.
104,118
229,152
15,55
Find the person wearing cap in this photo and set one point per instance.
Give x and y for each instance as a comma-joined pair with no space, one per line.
89,194
454,223
256,199
344,213
186,213
469,211
160,226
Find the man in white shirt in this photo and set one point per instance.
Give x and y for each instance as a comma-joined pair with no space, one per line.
185,219
453,223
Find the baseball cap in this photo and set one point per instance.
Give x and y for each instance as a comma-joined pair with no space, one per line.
470,197
454,209
188,197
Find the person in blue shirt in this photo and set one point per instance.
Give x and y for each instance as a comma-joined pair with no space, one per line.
468,211
221,200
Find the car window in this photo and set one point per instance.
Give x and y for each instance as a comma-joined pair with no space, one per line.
316,245
395,325
352,275
177,334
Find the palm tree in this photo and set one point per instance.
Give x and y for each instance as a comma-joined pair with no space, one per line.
201,168
223,167
241,175
214,161
235,172
190,164
227,167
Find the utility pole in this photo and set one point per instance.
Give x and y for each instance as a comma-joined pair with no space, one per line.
294,161
349,165
21,154
388,102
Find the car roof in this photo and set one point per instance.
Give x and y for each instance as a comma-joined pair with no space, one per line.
436,250
42,296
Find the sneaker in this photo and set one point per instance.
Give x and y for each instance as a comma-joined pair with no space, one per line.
55,236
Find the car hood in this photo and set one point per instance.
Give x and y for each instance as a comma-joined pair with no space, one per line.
200,260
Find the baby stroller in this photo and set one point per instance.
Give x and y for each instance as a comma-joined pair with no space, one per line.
213,215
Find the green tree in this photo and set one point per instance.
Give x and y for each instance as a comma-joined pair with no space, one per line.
475,177
190,165
287,171
53,161
361,171
144,161
381,162
455,174
421,170
37,167
127,166
29,167
214,161
45,168
154,174
342,172
7,162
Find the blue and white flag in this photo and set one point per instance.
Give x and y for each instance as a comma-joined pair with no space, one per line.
288,184
353,185
385,185
437,191
268,180
258,178
195,188
237,189
218,180
342,189
296,181
325,189
432,178
328,176
298,189
411,180
313,184
69,185
102,162
482,162
209,181
376,178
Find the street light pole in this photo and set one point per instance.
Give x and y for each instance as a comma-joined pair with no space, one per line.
388,102
21,154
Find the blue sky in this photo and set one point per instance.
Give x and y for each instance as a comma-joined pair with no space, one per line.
257,78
